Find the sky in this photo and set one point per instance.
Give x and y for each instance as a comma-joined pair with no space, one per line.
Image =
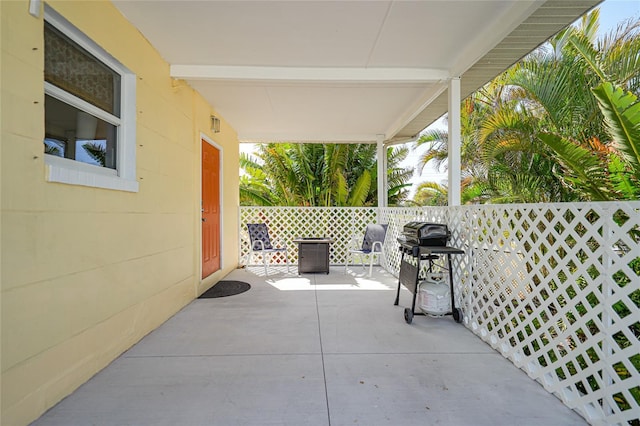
612,12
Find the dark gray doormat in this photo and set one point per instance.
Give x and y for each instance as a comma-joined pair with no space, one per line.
225,288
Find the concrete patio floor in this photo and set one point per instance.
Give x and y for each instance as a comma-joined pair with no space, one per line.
311,350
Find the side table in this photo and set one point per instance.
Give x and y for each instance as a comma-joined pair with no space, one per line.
313,254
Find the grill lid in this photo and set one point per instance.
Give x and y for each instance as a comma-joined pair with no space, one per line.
426,233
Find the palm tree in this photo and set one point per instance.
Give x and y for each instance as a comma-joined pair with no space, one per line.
578,112
559,126
254,190
476,173
397,177
318,175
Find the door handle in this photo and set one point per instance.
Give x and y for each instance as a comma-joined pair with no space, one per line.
204,220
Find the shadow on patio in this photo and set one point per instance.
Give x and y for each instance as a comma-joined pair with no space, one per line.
310,350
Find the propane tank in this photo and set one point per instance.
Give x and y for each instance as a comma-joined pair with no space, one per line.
434,295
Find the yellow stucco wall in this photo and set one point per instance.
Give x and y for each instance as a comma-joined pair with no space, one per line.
87,272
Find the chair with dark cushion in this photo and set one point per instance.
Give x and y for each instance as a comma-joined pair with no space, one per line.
261,243
370,245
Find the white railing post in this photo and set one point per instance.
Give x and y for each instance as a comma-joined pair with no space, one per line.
382,171
455,143
607,308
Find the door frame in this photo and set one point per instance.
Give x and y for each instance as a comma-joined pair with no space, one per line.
205,138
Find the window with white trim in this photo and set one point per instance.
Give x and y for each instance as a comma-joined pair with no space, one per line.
89,111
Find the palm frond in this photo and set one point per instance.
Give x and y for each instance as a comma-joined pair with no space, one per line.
624,182
436,141
583,167
430,194
622,118
341,190
96,151
360,190
589,53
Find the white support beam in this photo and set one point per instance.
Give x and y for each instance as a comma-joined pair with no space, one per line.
455,143
360,75
382,171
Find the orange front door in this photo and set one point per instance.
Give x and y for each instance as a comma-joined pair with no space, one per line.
210,209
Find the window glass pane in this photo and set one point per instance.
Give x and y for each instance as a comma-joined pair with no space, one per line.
76,71
74,134
92,152
53,146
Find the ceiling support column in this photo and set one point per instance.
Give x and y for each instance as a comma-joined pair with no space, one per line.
382,171
455,138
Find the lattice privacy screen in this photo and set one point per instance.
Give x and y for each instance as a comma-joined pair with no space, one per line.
555,288
288,223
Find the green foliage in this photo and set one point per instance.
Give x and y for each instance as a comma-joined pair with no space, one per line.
584,168
561,125
288,174
397,177
360,190
431,194
622,119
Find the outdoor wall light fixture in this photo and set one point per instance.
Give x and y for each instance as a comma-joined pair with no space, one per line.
215,124
34,8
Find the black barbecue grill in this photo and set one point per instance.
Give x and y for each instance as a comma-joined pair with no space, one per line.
424,241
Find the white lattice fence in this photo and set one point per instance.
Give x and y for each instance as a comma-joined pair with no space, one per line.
556,289
287,223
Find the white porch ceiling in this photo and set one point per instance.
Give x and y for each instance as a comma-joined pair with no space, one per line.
341,70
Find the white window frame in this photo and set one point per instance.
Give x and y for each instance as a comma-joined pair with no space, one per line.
73,172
